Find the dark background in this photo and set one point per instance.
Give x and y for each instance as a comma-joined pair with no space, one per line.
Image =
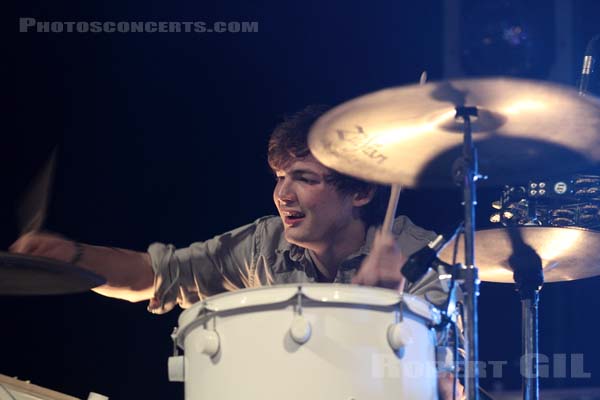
162,137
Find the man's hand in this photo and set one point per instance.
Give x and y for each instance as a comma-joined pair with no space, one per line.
45,245
382,266
129,275
445,385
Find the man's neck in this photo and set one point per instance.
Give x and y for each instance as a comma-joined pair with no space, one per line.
328,257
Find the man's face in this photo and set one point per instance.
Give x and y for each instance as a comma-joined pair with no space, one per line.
314,213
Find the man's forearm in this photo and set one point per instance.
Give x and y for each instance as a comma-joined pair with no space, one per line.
128,273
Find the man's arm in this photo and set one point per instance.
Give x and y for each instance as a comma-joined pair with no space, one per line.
129,275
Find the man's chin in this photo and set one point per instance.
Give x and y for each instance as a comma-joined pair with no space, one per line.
294,237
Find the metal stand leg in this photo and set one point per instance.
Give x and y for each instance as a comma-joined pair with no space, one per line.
466,173
529,278
529,334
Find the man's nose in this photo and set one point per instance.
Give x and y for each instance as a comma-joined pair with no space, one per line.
284,192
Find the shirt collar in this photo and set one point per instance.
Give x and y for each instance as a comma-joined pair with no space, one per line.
296,253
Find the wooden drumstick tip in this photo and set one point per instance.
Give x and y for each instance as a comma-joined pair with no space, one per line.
423,78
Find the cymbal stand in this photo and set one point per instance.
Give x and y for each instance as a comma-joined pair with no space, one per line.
529,278
465,174
529,337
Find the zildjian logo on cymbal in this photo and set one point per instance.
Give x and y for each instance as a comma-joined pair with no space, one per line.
358,140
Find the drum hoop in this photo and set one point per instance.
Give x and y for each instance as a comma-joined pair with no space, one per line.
206,310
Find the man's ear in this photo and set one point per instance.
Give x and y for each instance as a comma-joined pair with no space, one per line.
363,197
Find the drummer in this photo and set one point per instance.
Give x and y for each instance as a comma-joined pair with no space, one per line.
326,231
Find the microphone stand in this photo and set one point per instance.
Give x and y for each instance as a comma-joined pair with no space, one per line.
465,173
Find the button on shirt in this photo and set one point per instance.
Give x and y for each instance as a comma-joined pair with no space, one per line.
258,255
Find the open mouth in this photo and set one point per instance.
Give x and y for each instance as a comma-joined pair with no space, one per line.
292,217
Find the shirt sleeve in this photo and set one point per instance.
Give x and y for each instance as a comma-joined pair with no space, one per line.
187,275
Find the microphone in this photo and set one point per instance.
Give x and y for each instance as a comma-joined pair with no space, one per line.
587,66
417,264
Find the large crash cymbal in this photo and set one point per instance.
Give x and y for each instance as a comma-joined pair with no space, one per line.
27,275
567,253
408,135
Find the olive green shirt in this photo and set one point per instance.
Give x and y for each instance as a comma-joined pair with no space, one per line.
257,255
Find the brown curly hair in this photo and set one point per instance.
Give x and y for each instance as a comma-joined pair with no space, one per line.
288,143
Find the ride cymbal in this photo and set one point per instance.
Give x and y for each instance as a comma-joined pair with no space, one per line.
567,253
409,135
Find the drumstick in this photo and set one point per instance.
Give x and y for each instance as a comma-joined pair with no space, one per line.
388,222
33,206
393,203
391,209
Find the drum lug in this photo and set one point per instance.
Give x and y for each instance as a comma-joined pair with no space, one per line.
399,335
174,339
176,369
300,330
175,362
209,343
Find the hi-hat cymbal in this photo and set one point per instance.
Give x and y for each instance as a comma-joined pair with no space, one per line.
26,275
409,135
567,253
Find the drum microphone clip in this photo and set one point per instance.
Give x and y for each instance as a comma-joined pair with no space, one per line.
419,263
